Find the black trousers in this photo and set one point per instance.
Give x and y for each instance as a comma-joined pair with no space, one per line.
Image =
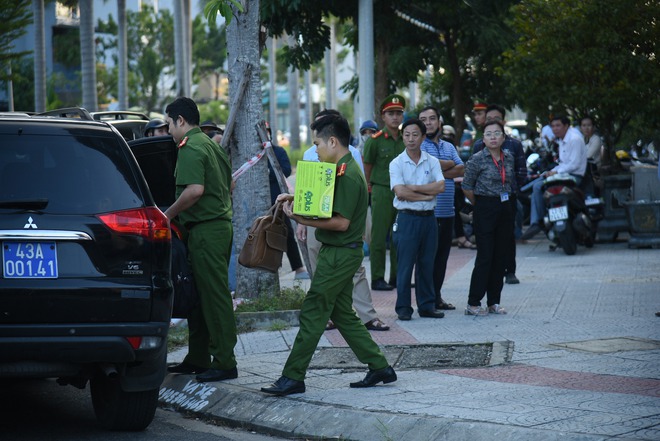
445,235
510,266
493,227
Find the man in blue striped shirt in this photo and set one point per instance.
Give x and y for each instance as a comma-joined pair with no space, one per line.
452,167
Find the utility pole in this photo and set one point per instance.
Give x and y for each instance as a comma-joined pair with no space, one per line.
366,59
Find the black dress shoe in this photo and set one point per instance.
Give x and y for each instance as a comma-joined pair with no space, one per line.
386,375
186,368
285,386
381,285
442,305
217,375
405,317
511,279
433,313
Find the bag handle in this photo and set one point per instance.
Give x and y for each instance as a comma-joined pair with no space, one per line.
276,211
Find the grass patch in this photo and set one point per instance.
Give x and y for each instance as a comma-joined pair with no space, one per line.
287,299
177,337
279,325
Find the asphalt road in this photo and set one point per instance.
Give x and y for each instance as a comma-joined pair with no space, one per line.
40,410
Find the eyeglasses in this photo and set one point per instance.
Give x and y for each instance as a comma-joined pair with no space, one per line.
492,134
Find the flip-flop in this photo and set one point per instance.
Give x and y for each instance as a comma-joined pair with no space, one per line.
376,325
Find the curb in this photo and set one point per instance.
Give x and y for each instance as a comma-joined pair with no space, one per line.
242,407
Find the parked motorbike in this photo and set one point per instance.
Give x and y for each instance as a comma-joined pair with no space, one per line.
571,219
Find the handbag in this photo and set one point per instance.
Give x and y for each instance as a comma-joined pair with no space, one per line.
185,293
266,241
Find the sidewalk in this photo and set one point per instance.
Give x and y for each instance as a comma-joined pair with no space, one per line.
584,364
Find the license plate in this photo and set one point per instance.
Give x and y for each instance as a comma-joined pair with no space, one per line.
29,260
558,213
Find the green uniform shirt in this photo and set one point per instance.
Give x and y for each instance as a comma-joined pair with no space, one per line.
202,161
379,150
350,201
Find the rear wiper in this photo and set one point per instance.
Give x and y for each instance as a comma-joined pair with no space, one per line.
25,204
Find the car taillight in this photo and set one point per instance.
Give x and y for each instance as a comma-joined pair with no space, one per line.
145,342
148,222
554,190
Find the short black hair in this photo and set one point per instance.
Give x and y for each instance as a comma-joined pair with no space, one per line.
326,112
332,124
492,121
498,108
415,121
563,118
435,109
589,117
184,107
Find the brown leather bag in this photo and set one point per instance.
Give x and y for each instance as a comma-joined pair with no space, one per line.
266,241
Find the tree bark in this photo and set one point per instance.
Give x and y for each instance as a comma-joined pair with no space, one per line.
251,196
88,57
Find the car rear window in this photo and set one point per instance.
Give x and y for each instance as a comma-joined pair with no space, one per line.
76,174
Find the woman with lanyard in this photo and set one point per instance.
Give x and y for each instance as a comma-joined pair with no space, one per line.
487,184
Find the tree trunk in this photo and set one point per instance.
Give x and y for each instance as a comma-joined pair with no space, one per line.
88,57
381,89
39,57
122,84
251,196
294,105
458,98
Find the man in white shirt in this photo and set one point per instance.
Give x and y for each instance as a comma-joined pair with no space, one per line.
572,160
415,179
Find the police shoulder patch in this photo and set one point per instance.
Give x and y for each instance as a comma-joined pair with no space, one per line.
377,134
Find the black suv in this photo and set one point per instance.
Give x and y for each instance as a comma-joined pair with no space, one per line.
85,287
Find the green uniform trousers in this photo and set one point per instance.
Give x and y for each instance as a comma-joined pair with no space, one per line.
211,325
383,215
331,297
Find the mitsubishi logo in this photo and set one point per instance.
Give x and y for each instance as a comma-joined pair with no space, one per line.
30,224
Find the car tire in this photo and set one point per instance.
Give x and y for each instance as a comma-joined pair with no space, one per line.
117,409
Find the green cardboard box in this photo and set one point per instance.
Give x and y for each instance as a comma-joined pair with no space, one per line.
315,189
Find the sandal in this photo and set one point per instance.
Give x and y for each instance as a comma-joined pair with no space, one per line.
496,309
466,244
476,310
376,325
330,325
445,306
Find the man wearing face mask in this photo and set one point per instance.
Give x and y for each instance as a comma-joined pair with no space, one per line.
367,129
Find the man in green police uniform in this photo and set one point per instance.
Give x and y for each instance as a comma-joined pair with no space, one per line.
331,293
379,150
203,206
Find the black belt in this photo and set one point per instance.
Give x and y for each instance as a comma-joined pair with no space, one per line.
417,212
190,225
352,245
